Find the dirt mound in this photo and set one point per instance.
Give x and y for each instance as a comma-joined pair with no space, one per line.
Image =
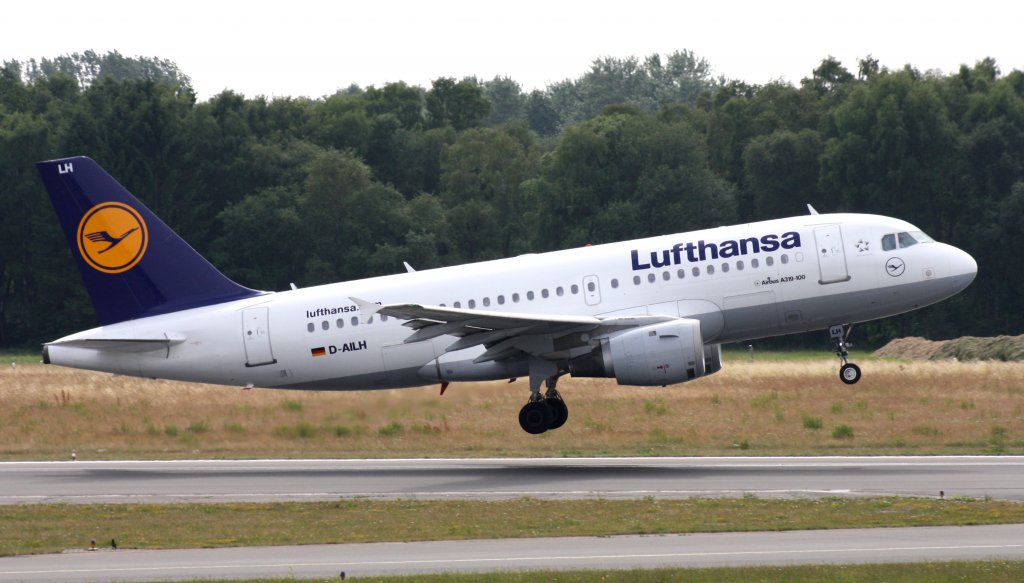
1005,348
913,348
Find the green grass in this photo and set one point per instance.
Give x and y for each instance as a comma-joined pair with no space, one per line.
19,357
734,352
47,528
945,572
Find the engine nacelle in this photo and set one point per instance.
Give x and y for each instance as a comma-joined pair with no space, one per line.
659,354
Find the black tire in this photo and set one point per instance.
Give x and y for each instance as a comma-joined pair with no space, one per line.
560,411
849,373
536,417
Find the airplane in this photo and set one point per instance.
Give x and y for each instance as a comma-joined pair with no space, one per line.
646,312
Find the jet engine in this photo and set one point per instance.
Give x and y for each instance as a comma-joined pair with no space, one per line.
659,354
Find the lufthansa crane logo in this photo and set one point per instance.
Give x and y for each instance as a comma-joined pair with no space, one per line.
112,237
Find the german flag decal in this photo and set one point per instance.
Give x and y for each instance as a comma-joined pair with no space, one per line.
319,351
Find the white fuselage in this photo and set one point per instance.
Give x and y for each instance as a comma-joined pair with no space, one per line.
810,272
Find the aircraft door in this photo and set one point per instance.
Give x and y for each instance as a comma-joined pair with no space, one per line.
831,257
591,290
256,337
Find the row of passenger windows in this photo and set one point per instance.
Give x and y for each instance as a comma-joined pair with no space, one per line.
515,298
574,289
340,323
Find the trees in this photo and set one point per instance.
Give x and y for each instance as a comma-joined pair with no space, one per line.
459,104
282,190
483,176
625,175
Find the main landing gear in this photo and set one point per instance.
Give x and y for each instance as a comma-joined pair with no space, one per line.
549,411
849,373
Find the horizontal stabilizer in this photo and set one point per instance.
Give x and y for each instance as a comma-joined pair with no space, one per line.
122,344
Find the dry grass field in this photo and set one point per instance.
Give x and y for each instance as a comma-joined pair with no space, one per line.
764,406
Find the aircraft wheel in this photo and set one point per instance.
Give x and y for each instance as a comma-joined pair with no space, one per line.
536,417
849,373
560,411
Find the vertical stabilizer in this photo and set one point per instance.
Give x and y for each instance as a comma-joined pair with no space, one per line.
133,264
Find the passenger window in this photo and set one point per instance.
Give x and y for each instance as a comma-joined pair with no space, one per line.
515,298
472,304
711,270
739,265
591,286
696,271
651,277
769,261
615,283
575,289
784,258
559,291
325,325
754,263
529,295
906,240
666,275
340,323
725,268
636,280
681,273
487,302
544,293
355,320
457,305
888,242
383,318
310,327
501,300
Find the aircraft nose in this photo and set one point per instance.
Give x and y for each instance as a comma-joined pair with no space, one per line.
963,269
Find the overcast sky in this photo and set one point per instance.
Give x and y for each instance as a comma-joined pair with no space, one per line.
300,47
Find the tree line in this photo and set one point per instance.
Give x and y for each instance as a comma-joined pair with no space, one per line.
283,190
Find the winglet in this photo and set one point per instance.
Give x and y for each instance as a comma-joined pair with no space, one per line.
365,307
408,268
811,209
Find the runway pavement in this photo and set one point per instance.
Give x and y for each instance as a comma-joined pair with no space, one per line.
697,550
277,480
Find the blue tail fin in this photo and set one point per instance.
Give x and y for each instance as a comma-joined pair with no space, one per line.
133,264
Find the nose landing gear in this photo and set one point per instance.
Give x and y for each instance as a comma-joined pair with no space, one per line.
849,373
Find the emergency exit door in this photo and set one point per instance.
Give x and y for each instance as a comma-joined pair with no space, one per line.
256,337
831,257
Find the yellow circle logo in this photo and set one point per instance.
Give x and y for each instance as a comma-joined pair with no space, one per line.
112,237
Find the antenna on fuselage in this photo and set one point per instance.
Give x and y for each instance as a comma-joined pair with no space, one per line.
811,209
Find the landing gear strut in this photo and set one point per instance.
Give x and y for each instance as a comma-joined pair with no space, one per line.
549,411
849,373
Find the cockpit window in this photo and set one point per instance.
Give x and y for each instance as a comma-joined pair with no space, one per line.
888,242
906,240
903,240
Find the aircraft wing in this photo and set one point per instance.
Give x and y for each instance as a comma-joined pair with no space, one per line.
504,334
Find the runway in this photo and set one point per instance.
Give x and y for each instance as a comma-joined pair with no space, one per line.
289,480
280,480
697,550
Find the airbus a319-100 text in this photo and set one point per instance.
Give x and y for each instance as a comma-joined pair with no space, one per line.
647,312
